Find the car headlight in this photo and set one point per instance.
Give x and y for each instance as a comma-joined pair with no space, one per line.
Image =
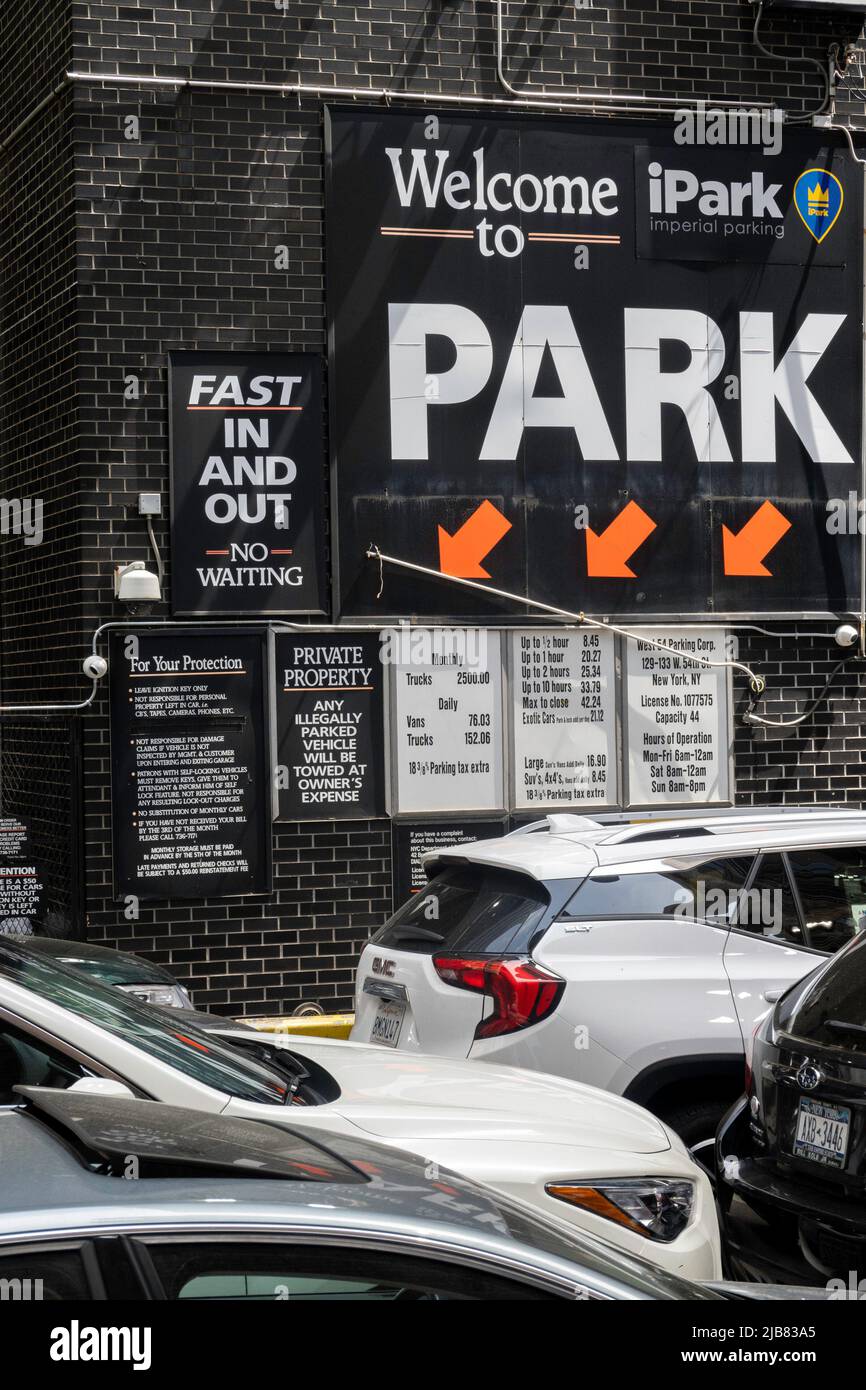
169,996
660,1208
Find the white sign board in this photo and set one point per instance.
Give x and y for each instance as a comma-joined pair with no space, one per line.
676,718
446,721
563,719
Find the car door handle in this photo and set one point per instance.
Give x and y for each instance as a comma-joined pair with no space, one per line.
772,996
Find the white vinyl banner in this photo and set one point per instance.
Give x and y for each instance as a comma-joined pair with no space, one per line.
446,721
676,718
563,700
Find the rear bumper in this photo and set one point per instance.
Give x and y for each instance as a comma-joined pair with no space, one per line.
775,1227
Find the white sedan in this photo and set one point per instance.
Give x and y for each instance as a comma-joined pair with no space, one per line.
569,1150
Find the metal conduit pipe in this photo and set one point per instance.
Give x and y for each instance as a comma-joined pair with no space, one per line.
588,106
620,100
604,103
859,159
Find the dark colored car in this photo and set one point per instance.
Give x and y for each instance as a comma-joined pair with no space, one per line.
791,1154
150,983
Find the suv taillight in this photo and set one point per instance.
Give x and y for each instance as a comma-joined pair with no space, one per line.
523,993
750,1047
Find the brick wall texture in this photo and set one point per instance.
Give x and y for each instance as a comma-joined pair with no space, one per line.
114,250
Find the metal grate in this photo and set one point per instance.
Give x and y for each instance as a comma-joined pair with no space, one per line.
40,784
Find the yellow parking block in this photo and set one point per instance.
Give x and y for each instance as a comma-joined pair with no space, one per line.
310,1025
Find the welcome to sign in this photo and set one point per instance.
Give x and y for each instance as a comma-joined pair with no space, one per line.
591,365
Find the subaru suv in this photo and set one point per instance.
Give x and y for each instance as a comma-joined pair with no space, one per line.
792,1151
637,957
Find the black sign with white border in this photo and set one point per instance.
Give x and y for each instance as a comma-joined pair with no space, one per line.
21,879
330,737
190,760
247,483
516,397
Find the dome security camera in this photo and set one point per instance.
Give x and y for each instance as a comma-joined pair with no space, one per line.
136,586
94,667
846,635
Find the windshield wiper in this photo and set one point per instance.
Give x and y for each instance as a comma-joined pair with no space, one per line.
408,933
840,1026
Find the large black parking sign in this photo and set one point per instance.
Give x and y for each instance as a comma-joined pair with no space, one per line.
589,364
247,483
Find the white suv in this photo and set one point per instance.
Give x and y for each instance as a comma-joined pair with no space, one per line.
637,957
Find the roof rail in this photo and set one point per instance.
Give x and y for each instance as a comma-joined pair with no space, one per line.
635,836
767,815
679,822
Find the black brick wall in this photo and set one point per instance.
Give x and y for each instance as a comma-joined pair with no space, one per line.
116,250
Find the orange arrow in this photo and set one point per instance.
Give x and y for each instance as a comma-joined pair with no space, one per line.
606,554
460,555
744,551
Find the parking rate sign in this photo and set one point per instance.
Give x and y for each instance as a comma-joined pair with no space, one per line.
582,362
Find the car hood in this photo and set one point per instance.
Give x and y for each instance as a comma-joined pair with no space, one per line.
412,1096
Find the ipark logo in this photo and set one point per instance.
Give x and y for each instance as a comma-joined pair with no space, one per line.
818,198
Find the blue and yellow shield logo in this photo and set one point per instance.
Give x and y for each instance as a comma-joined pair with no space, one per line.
818,198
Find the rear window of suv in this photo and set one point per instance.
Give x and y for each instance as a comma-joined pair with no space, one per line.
831,1011
469,909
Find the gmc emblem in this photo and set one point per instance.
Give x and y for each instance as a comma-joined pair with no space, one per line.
384,967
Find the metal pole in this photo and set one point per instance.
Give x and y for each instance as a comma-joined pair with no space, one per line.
756,682
861,519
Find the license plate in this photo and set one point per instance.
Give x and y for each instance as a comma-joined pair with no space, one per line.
387,1024
822,1132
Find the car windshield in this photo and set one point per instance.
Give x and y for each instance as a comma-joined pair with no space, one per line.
194,1053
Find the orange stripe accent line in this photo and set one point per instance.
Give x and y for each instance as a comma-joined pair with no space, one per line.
606,236
423,231
274,551
216,552
569,237
444,231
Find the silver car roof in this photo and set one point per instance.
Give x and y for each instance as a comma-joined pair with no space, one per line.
48,1192
564,846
